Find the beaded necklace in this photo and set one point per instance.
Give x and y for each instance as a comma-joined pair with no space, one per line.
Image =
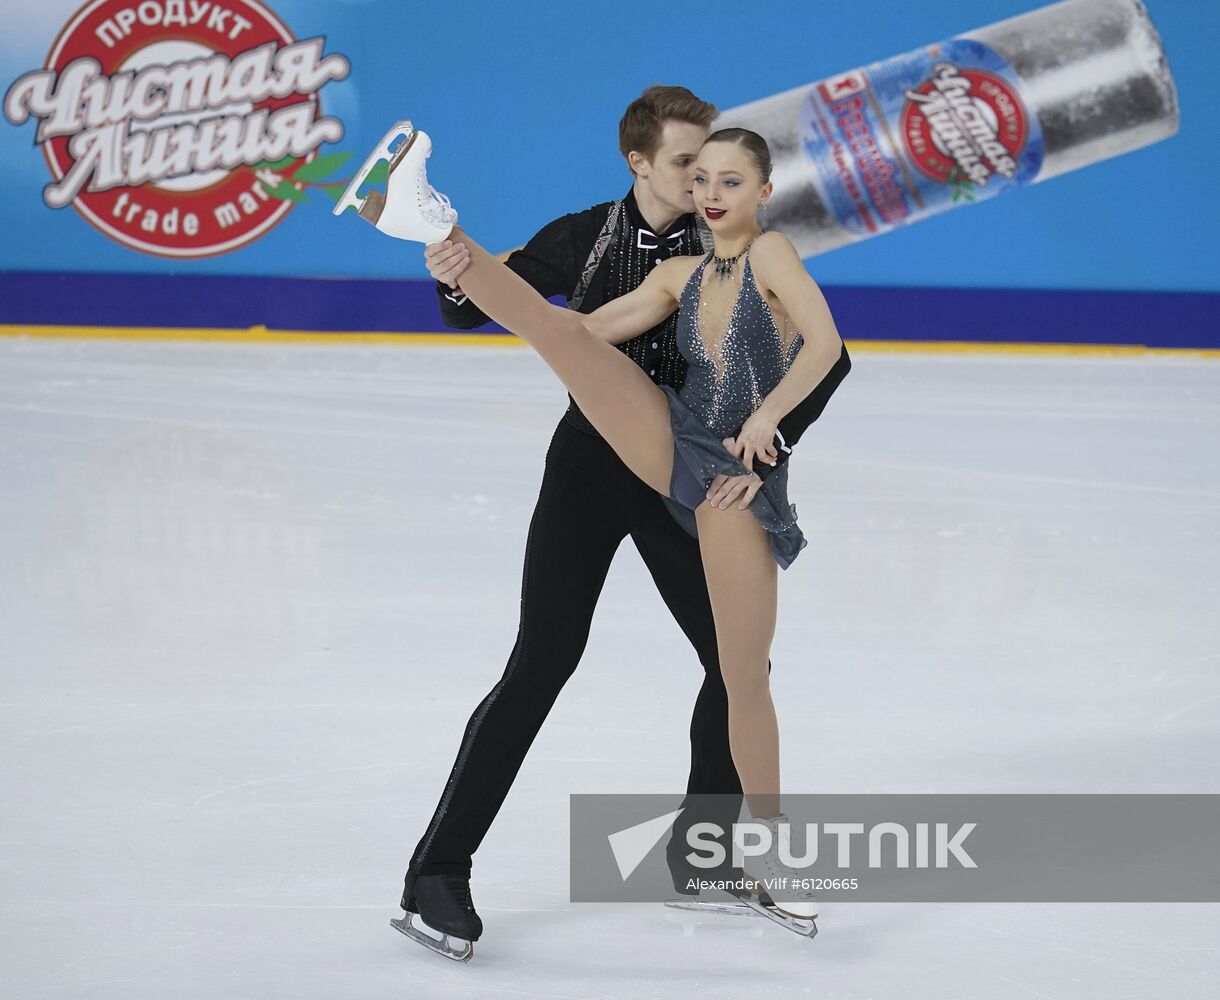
723,266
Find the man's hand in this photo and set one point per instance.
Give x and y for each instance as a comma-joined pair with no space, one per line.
725,489
446,262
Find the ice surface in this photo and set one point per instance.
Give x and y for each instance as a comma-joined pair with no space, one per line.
250,594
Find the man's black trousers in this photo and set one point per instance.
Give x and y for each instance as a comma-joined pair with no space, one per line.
588,504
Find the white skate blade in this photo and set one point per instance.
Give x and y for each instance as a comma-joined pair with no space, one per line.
455,948
748,905
381,152
804,926
710,906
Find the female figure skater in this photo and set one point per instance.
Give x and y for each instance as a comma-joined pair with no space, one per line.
740,308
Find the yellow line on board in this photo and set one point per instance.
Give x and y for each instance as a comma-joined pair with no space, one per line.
1014,347
260,334
252,334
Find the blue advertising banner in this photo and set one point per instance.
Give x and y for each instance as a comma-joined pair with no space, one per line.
210,138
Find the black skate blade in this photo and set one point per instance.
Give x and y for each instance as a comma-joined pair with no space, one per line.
444,945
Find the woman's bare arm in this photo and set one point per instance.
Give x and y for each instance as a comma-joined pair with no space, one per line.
779,270
640,310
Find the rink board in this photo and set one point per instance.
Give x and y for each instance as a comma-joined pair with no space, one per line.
242,307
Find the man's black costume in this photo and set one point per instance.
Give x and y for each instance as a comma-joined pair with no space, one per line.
589,502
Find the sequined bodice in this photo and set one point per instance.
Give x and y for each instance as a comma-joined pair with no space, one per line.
733,370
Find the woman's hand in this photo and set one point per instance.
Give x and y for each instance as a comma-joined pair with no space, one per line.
756,440
725,489
446,262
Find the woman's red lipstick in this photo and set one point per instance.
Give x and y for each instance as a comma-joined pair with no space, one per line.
714,213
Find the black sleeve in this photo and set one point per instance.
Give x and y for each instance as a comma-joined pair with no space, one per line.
551,263
809,409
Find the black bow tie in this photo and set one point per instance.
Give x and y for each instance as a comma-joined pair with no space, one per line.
642,243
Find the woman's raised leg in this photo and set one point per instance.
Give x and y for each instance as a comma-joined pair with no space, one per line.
628,410
742,582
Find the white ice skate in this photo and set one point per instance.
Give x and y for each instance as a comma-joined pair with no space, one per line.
411,208
793,907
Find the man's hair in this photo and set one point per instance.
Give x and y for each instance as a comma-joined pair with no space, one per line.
640,127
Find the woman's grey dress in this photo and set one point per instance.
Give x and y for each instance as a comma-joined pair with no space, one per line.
714,405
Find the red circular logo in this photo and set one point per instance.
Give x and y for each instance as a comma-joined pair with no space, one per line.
964,125
173,126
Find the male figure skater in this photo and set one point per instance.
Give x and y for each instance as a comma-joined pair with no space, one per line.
589,502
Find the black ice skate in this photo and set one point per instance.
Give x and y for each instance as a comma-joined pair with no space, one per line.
687,877
440,915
